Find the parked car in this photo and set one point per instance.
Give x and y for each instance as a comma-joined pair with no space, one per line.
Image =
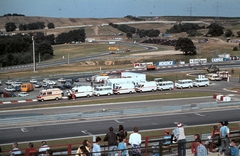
62,80
88,79
18,82
60,87
17,88
10,94
69,81
50,82
23,94
45,80
34,81
67,85
75,79
38,85
9,82
10,89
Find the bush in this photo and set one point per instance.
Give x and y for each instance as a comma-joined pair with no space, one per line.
235,49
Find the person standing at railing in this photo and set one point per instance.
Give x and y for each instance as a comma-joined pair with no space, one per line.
224,136
233,150
122,149
96,149
111,138
44,147
135,140
15,150
195,144
201,149
179,134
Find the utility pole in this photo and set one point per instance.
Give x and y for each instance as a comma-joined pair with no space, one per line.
34,62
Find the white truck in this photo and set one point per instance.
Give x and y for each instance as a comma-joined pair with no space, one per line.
82,91
146,86
99,78
124,88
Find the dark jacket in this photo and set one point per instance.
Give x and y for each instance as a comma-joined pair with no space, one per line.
111,138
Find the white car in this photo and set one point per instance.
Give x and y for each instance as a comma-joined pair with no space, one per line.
23,94
9,82
62,80
33,81
45,80
10,89
50,82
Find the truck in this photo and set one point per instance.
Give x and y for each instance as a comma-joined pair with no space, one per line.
146,86
151,67
49,94
124,88
99,78
82,91
26,87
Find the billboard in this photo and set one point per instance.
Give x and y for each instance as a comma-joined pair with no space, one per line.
198,61
217,60
165,63
142,65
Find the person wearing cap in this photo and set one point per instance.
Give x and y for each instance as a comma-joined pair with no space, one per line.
167,139
179,134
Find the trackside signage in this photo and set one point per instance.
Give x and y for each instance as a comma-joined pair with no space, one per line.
198,61
217,60
165,63
142,65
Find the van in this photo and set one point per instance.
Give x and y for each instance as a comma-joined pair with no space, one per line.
186,83
124,88
26,87
165,85
103,90
50,94
213,77
201,82
146,86
82,91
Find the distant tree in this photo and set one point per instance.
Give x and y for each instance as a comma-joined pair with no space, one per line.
50,26
186,45
44,48
129,35
215,29
228,33
235,49
238,33
10,27
22,27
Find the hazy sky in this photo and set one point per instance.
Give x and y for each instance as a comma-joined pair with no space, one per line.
120,8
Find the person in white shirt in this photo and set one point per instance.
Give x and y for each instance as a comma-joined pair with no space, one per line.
179,134
15,150
135,140
43,148
96,149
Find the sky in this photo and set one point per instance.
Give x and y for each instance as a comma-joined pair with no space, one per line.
120,8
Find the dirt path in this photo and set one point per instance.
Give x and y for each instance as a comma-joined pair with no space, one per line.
166,52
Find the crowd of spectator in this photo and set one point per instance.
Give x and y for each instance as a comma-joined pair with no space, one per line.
118,142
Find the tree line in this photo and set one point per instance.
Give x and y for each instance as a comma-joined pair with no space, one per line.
11,26
18,49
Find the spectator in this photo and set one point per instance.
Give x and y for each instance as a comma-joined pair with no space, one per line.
224,135
49,152
135,140
84,150
167,139
111,138
122,149
214,139
181,139
96,150
30,151
121,132
201,150
195,144
44,147
15,150
233,150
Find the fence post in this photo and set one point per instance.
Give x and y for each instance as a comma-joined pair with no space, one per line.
69,149
146,145
160,148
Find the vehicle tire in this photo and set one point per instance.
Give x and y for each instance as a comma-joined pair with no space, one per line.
108,94
161,89
152,90
206,85
88,95
130,92
170,88
140,91
118,93
189,87
42,100
98,94
56,98
198,86
181,87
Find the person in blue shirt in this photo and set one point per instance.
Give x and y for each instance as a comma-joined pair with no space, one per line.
122,149
96,149
166,138
233,150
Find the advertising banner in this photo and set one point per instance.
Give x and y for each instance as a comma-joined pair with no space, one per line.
142,65
217,59
198,61
165,63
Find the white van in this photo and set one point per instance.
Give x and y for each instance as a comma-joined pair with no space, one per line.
213,77
187,83
103,90
82,91
50,94
124,88
201,82
165,85
146,86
